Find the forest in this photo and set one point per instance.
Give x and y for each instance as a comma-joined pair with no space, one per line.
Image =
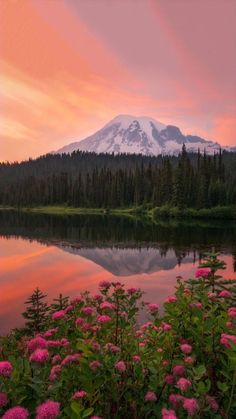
88,180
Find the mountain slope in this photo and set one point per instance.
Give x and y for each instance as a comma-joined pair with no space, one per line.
142,135
128,261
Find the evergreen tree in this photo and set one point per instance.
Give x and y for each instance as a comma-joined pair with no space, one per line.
36,312
60,303
109,181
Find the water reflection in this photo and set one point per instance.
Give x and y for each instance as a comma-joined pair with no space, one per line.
70,254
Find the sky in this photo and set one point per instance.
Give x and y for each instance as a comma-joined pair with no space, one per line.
69,66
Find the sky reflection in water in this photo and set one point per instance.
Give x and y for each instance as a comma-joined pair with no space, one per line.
62,264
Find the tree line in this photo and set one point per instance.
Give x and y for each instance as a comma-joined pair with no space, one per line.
111,181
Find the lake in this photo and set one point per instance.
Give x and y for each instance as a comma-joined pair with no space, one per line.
70,254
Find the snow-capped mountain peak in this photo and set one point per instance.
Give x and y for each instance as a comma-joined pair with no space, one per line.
140,135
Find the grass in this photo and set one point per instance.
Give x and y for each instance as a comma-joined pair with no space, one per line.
66,210
143,211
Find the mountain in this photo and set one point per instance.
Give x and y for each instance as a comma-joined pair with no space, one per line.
129,261
142,135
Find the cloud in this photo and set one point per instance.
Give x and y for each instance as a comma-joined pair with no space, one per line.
225,128
67,69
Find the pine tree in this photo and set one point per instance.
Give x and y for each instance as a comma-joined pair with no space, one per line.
60,303
36,312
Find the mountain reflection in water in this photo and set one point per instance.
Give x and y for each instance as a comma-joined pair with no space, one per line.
69,254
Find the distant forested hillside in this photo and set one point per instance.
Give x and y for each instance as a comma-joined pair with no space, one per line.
110,181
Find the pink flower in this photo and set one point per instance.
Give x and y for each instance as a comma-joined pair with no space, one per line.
142,344
178,370
96,346
123,314
54,372
159,350
48,410
16,412
212,295
107,305
166,326
94,365
36,343
212,403
96,417
48,334
58,314
189,360
136,358
225,294
3,400
104,284
81,394
86,326
165,363
118,287
64,342
76,300
202,272
183,384
176,399
232,312
147,325
69,308
171,299
197,305
79,321
103,318
169,379
113,348
39,356
153,308
88,310
191,406
6,368
226,339
187,349
131,291
70,358
98,297
168,414
150,396
120,366
58,342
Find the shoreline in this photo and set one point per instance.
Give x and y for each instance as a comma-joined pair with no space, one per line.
153,214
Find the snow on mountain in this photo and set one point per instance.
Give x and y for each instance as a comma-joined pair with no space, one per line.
140,135
128,261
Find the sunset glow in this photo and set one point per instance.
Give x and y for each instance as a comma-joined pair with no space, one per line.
69,66
24,265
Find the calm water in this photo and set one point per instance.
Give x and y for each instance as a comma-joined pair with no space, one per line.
73,253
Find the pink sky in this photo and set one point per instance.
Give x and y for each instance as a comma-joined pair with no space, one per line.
68,66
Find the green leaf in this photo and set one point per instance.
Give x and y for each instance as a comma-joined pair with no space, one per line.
87,412
200,371
222,386
201,388
76,407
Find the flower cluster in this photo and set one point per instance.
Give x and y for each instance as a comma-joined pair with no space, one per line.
94,352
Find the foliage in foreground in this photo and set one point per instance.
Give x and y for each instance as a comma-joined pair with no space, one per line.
92,360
